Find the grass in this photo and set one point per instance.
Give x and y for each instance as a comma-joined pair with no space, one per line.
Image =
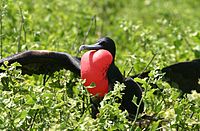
168,30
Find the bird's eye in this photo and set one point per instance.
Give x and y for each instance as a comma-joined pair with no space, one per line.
103,43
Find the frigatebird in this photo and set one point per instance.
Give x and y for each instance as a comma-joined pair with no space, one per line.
98,66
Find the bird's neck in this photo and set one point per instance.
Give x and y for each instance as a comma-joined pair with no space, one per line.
114,75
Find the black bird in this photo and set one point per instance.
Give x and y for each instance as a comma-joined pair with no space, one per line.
185,74
47,62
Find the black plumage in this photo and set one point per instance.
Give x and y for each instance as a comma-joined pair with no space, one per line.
185,74
44,62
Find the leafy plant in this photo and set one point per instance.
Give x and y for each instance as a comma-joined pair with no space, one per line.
149,35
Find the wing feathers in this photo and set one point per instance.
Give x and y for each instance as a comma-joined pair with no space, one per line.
42,62
185,74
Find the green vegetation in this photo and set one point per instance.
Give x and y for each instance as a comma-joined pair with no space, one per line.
142,29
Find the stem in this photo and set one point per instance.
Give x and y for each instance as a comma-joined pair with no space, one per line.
24,29
20,30
147,65
93,20
33,120
1,30
138,108
154,55
46,78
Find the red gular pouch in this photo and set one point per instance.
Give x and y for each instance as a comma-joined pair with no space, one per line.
94,67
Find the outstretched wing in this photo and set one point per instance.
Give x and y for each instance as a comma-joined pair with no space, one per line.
185,74
44,62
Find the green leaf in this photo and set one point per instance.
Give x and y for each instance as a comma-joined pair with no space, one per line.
23,115
59,105
29,100
36,106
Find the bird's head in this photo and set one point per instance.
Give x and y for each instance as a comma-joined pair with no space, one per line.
105,43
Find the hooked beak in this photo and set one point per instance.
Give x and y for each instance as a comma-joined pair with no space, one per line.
90,47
